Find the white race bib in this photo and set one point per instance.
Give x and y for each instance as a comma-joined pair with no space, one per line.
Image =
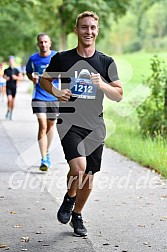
83,88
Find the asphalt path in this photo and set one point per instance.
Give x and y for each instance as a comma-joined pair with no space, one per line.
127,210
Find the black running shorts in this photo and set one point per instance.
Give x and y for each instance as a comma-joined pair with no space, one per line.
11,91
80,142
49,108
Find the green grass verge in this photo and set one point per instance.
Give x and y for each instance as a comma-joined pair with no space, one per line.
126,138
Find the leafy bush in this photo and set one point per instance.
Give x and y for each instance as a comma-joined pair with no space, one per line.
152,113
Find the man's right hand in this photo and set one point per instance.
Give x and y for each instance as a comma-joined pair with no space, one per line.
63,95
35,77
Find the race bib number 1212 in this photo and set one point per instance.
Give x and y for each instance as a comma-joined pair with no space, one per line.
83,88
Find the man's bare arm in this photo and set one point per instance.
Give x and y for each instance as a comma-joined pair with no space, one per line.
113,91
62,95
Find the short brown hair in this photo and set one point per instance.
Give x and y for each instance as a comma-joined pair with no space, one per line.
86,14
42,34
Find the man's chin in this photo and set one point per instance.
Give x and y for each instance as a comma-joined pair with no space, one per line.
88,43
44,50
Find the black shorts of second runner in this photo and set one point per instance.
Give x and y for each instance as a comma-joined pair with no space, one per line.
75,145
11,91
49,108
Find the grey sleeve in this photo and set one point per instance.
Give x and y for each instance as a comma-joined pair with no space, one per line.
112,72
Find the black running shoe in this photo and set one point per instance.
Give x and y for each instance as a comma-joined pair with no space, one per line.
78,226
65,210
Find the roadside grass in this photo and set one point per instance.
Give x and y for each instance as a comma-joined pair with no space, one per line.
122,122
126,139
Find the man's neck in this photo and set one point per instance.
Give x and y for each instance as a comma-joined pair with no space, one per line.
85,52
44,54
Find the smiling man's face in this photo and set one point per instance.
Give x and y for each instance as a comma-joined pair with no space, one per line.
87,31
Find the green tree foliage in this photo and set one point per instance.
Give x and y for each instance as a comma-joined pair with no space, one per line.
155,36
69,9
139,8
125,26
21,21
143,26
152,113
151,23
16,29
122,36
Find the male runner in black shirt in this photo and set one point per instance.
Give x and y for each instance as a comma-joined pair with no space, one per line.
89,75
12,75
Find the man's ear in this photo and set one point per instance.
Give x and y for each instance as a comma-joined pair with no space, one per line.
98,31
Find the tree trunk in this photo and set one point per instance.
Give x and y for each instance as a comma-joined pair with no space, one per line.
63,42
